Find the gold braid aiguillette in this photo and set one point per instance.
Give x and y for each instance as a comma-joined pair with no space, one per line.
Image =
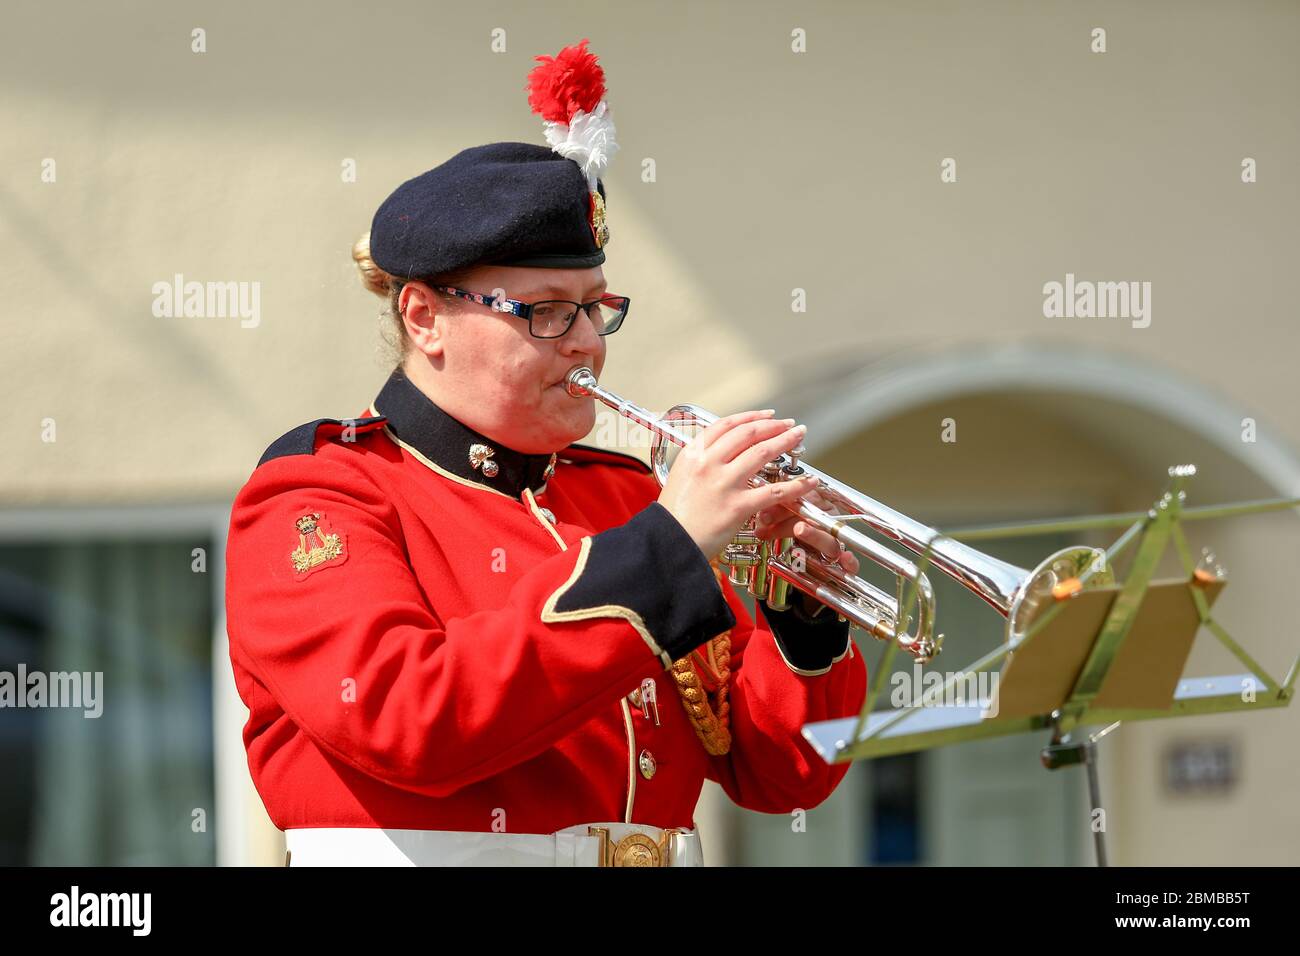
709,717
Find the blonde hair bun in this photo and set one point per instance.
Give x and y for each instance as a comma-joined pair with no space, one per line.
372,277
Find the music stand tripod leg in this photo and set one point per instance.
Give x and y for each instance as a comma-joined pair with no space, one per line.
1062,753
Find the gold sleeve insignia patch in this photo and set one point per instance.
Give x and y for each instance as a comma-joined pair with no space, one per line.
318,545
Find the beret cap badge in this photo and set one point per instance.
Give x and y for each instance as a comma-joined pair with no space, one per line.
599,231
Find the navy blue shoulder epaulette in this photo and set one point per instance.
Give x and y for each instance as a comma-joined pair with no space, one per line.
302,440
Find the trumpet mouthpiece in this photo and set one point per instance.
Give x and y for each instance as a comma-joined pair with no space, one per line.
578,383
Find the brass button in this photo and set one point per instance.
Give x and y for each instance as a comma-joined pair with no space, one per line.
646,761
635,698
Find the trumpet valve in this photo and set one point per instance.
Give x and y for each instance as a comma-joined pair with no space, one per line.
793,469
741,555
774,589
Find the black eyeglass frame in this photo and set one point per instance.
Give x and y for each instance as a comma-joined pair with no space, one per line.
524,310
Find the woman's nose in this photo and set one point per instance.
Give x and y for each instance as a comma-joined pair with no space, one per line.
581,336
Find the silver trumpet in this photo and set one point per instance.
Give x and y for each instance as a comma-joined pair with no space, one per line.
768,569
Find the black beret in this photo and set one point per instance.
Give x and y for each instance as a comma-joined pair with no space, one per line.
514,204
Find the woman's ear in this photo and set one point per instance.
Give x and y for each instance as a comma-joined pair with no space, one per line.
424,326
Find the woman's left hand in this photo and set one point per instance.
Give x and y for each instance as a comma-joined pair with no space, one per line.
777,522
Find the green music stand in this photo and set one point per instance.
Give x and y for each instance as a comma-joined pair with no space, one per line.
1102,656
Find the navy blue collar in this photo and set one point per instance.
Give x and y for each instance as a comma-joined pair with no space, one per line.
454,446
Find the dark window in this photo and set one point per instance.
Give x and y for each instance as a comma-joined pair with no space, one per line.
133,785
895,815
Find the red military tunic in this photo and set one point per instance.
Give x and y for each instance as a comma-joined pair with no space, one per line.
420,647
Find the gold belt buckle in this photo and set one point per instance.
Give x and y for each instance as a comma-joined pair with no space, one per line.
635,849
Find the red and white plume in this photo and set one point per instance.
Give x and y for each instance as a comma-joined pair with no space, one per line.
568,92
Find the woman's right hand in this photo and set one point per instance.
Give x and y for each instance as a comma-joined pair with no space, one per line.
708,488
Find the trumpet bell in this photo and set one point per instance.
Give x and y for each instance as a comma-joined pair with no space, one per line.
1057,578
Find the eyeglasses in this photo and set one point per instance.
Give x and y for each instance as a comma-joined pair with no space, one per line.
552,318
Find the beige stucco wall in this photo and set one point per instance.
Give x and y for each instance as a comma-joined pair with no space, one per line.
774,171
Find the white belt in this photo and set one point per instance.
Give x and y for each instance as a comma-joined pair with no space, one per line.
587,844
